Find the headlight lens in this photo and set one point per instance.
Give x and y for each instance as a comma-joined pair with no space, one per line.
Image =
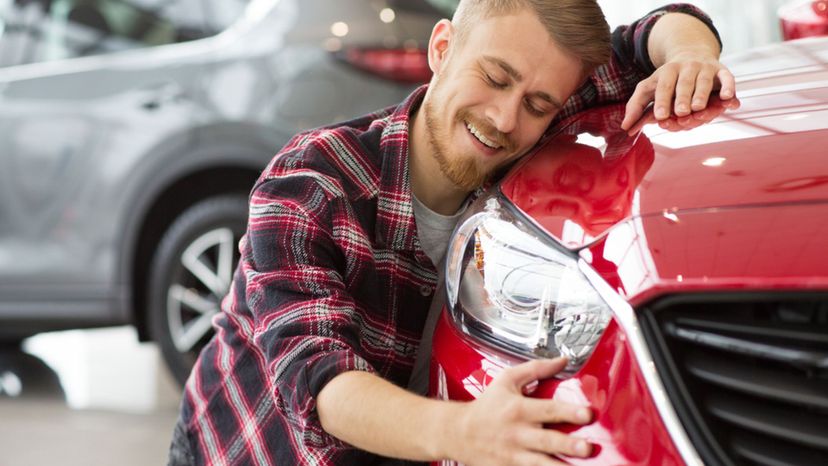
510,286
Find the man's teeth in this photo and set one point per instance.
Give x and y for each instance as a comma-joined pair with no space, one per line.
480,137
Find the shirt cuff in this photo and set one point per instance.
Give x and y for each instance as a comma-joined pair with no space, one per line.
297,400
644,26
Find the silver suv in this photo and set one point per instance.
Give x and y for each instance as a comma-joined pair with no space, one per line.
132,130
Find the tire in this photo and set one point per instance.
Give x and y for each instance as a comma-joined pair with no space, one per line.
190,274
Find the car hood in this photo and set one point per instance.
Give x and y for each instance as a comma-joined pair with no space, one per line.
778,247
590,176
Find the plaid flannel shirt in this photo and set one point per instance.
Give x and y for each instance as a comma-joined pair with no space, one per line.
332,279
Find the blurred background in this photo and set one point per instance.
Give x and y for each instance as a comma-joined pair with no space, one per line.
130,134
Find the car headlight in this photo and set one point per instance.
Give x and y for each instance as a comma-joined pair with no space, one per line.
509,285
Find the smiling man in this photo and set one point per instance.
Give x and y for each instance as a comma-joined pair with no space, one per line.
320,350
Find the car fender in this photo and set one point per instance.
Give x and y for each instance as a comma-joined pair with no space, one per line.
222,146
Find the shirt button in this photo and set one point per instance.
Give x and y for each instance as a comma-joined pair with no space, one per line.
425,290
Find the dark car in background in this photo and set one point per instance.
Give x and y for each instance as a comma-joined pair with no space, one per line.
131,132
683,274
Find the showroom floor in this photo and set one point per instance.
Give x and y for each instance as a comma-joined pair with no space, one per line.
85,398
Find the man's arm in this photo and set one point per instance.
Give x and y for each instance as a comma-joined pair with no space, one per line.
305,324
674,35
501,427
686,54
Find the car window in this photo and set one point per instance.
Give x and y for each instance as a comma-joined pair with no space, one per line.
42,30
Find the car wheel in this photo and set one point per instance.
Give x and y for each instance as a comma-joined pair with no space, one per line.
190,274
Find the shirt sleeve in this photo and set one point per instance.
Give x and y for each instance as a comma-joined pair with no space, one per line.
630,62
305,321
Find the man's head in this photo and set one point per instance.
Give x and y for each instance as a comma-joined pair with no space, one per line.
577,26
502,71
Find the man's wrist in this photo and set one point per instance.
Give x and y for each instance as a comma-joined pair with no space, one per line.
701,52
677,33
449,430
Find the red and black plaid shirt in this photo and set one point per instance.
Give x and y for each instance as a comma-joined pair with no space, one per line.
332,278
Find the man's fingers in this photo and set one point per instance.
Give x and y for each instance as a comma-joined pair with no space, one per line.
667,77
669,125
554,442
704,86
727,82
684,87
643,121
547,411
521,375
678,92
641,98
632,114
731,104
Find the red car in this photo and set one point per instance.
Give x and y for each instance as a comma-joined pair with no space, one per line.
804,18
684,274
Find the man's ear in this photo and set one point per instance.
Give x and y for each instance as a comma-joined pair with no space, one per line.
438,45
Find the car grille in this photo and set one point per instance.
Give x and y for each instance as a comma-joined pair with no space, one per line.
748,375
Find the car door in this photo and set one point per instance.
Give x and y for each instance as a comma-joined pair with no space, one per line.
85,92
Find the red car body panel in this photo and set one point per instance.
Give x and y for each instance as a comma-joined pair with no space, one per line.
780,247
627,428
739,204
577,191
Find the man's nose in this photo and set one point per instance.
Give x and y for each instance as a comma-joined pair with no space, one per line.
503,112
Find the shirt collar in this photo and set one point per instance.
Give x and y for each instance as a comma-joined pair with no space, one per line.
396,227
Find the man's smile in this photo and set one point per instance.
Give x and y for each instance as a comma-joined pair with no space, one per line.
481,137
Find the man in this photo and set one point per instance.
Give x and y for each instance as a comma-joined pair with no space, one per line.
319,336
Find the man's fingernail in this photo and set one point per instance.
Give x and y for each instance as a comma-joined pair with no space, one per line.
582,448
682,108
583,415
698,103
661,112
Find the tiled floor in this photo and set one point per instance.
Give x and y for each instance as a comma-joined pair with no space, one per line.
85,398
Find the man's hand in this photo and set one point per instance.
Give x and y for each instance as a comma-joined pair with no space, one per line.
715,107
504,427
686,55
679,87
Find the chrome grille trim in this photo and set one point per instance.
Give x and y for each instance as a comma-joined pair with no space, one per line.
626,318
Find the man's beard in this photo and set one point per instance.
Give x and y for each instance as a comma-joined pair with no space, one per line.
463,169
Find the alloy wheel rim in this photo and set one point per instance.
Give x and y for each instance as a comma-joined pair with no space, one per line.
203,279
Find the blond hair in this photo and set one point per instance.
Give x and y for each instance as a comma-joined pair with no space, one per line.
578,26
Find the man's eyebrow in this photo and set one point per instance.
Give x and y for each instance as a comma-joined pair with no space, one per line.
515,74
506,67
555,102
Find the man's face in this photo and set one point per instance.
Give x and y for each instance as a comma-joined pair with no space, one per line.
494,94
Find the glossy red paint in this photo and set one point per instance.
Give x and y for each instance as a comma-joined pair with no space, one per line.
804,18
582,181
627,428
591,175
778,247
740,204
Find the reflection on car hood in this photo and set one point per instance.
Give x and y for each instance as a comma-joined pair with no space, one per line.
770,248
591,176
